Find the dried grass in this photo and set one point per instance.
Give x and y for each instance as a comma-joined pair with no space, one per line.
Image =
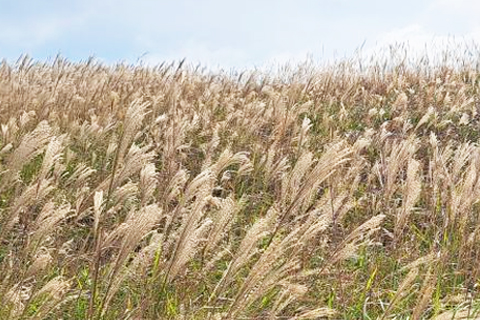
129,192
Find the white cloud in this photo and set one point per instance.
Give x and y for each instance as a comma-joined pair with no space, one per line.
467,7
234,34
196,52
29,35
36,32
446,26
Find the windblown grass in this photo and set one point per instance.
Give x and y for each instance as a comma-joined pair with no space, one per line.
129,192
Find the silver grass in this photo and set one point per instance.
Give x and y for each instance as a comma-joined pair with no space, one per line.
210,147
41,261
176,185
31,145
466,192
458,314
334,157
26,117
200,189
97,212
125,194
34,193
49,218
222,253
399,155
135,160
357,237
222,220
371,224
134,116
6,148
428,259
275,263
79,176
227,159
303,138
15,300
274,169
200,185
411,194
291,183
319,313
246,249
53,154
256,232
134,270
290,293
428,285
347,251
148,183
9,130
251,291
136,226
431,113
462,155
189,248
53,292
144,259
403,288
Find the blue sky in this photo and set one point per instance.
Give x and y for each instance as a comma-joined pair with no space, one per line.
225,33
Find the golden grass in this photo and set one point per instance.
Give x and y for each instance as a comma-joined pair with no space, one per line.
341,191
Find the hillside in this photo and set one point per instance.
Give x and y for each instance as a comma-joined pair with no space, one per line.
169,192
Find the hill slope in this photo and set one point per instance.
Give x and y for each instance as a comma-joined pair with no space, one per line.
143,193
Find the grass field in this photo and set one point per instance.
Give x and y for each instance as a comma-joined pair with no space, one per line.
169,192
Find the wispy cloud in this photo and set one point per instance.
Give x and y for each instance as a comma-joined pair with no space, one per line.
199,53
466,7
33,33
445,26
37,27
227,33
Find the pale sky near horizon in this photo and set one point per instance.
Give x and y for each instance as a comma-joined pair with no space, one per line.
238,34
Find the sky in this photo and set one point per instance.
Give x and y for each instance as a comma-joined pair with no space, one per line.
230,34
